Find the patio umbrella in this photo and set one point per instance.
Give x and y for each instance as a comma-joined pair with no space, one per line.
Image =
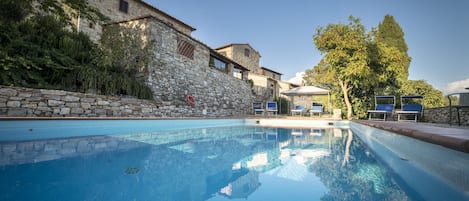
308,90
305,90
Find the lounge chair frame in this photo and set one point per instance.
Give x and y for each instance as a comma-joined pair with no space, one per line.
258,108
271,107
410,109
316,108
299,109
384,109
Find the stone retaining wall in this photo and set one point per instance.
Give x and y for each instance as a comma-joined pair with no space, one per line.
27,102
442,114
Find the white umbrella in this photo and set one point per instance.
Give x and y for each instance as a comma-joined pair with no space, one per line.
305,90
308,90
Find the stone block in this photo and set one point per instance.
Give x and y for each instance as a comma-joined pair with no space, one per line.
13,104
77,111
64,111
87,100
71,98
29,105
24,95
101,102
55,103
115,104
72,104
85,105
53,92
8,92
17,112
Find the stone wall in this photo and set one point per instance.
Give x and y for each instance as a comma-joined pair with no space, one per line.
441,115
176,75
27,102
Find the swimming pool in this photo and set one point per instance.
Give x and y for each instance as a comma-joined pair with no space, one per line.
220,160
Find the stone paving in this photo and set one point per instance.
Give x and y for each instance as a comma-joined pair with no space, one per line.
453,137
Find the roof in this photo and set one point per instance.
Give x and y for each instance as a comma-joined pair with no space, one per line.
271,70
305,90
165,14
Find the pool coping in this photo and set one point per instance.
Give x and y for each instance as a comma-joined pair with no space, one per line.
453,138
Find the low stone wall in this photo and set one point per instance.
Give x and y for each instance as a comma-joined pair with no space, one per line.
442,115
27,102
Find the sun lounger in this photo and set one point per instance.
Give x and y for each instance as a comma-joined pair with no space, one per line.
384,106
410,108
299,109
258,108
271,107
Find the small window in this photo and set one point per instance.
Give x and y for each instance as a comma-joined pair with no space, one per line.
123,6
185,48
246,52
214,62
91,25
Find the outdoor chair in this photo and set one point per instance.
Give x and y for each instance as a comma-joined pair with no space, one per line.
410,108
258,108
271,107
461,100
299,109
316,108
384,106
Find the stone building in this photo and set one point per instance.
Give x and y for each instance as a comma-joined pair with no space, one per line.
121,10
267,83
243,54
184,66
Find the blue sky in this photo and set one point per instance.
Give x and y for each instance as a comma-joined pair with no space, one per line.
436,31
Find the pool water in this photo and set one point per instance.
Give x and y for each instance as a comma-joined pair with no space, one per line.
198,164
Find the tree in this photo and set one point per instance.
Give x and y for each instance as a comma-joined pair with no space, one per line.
392,54
345,61
432,97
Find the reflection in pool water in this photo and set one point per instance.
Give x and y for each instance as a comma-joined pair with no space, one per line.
251,163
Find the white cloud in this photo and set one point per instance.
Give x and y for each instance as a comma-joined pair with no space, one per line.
298,79
457,86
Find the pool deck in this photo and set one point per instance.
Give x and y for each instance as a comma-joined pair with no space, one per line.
451,137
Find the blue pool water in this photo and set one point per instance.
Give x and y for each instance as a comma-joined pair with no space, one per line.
235,161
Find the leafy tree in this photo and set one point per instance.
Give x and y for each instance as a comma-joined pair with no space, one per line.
432,97
358,66
345,61
390,33
392,54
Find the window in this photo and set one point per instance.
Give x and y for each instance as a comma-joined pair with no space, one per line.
214,62
246,52
185,48
124,6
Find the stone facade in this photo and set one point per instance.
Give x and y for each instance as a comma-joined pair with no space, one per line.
135,9
178,75
266,81
244,54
